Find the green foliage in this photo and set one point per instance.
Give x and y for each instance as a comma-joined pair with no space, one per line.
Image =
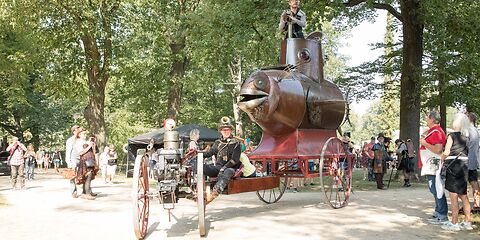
27,111
452,36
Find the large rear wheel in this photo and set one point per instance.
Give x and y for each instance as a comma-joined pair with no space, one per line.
140,199
335,173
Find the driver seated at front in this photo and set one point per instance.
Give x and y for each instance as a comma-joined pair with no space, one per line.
227,152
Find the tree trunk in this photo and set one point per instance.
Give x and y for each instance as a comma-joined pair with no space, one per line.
441,95
235,68
95,111
176,81
411,70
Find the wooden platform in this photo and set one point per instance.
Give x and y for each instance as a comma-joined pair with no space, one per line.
240,185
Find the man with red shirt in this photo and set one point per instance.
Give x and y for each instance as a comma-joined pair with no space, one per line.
434,141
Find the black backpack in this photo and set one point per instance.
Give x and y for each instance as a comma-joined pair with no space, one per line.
30,161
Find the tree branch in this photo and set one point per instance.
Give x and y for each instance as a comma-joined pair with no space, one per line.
258,33
194,5
376,5
8,128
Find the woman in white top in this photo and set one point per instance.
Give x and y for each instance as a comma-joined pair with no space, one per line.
103,163
111,164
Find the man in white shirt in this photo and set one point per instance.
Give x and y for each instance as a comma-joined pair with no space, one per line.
69,147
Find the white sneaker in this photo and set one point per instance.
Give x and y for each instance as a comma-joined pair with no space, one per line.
437,221
466,226
432,218
451,227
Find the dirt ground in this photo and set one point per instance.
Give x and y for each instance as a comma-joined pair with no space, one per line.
47,211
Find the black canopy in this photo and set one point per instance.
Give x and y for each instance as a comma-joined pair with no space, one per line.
206,134
141,141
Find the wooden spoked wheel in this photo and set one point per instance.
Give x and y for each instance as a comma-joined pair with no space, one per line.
140,199
273,195
201,195
335,173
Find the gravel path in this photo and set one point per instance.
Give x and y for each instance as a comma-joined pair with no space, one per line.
46,211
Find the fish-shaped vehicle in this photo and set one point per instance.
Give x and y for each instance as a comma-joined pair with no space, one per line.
299,112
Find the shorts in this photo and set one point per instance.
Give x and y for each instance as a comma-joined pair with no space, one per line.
472,175
406,164
111,169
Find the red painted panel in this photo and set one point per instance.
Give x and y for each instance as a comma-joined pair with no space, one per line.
301,143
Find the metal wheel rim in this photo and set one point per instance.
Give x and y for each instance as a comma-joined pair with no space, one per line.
270,196
343,183
140,199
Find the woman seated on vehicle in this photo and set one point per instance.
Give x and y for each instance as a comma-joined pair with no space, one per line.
248,170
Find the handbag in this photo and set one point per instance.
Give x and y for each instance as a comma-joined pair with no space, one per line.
430,160
90,163
68,173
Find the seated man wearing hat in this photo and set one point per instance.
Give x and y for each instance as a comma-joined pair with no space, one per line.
227,151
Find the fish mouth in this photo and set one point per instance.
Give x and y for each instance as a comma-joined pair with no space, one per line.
250,98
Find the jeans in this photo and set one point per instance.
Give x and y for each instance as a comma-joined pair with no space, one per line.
441,207
73,186
371,176
30,172
222,178
17,172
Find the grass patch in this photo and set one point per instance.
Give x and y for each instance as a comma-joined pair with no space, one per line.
358,184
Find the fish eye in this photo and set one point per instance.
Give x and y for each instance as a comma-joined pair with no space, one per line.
304,55
260,83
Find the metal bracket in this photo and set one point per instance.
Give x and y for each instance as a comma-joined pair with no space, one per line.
168,207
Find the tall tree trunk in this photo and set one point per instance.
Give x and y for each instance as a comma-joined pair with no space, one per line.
177,75
95,111
411,70
235,68
442,81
